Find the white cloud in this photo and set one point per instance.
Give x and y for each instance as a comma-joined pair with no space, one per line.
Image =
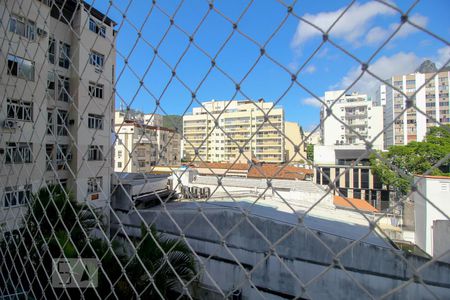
310,69
378,34
351,26
443,55
385,67
311,101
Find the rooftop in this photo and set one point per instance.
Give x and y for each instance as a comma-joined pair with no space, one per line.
261,170
351,203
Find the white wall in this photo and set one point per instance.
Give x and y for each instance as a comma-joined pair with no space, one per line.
437,190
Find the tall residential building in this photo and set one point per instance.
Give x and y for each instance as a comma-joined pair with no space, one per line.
140,146
294,134
56,102
433,99
220,130
358,113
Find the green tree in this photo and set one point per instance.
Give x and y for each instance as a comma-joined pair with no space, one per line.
310,152
414,158
57,226
167,261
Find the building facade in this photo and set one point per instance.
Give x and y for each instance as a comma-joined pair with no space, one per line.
56,102
294,137
353,181
140,146
363,120
221,130
433,99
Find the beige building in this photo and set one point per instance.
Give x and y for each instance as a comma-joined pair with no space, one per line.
139,146
432,99
56,103
221,130
295,136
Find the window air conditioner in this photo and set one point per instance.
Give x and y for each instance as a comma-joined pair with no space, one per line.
41,32
10,124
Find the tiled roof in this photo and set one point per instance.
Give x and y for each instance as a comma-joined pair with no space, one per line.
360,204
275,171
264,170
236,166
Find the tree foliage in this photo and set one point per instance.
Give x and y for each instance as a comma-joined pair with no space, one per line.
310,152
414,158
57,226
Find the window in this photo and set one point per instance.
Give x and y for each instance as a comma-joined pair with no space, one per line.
62,156
19,153
347,178
62,122
95,121
119,164
357,193
94,184
119,153
325,176
63,89
48,156
365,178
64,55
97,28
17,196
51,50
62,152
22,27
96,59
96,90
141,164
343,192
20,67
355,178
19,110
51,85
50,124
95,152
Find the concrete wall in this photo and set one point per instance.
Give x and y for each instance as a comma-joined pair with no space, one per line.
301,256
441,240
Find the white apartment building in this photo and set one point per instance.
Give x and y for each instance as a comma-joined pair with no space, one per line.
56,102
221,130
433,99
358,113
139,147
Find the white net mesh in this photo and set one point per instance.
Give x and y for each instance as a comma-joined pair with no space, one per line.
205,199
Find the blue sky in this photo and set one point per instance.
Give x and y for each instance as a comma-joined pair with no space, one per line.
364,27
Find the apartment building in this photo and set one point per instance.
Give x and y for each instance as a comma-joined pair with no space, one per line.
362,120
220,131
433,99
139,146
294,137
56,101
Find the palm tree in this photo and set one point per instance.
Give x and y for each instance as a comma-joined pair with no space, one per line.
162,266
57,226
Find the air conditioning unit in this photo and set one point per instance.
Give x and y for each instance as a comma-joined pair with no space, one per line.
98,69
11,124
41,32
